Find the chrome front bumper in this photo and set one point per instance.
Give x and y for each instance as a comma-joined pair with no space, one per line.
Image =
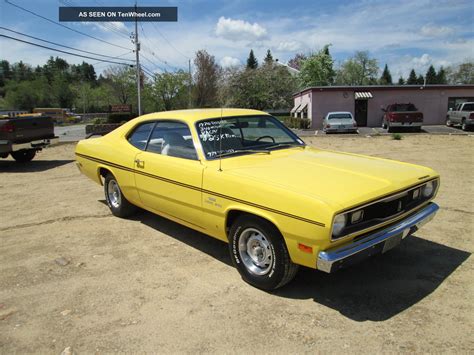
375,243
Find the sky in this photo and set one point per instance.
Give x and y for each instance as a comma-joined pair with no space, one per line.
403,34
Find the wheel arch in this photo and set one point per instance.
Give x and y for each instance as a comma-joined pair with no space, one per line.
234,213
102,172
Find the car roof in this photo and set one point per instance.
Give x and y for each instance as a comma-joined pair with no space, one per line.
339,112
194,115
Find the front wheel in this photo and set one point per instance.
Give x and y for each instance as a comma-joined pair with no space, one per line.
118,204
259,253
449,123
24,155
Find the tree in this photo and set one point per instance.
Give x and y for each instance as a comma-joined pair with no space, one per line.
268,60
267,87
122,82
401,81
386,78
412,79
358,70
317,70
297,61
252,62
461,74
171,89
420,80
431,76
205,79
441,76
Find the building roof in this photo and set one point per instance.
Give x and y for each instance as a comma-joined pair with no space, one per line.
382,87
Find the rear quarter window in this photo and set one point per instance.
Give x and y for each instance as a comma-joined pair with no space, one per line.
139,136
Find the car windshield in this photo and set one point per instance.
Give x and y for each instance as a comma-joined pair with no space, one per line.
244,135
403,108
339,116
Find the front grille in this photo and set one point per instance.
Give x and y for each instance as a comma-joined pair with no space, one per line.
386,209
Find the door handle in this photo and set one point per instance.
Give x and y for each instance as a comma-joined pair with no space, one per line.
140,163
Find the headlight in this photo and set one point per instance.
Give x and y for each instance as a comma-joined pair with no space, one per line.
339,223
428,189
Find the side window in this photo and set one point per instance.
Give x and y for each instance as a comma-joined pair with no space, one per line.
172,139
140,135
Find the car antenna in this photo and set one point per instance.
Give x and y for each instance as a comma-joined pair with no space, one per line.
220,142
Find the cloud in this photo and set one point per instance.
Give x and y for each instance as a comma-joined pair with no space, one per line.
229,62
436,31
289,46
239,30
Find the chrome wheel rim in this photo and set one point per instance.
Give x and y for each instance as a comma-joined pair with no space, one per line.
255,251
113,194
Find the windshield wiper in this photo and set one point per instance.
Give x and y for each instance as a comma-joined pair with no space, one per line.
265,151
286,145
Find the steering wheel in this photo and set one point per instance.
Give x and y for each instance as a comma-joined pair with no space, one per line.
258,139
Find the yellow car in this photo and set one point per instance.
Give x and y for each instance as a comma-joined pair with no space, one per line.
243,177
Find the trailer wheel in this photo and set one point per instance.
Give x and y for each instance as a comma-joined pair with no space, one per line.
24,155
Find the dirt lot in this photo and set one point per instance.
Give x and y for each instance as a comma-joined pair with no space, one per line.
148,284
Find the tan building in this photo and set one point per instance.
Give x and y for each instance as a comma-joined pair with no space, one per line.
366,102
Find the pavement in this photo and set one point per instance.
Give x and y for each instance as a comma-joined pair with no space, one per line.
71,133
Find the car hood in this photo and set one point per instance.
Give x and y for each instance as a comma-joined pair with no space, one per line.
339,179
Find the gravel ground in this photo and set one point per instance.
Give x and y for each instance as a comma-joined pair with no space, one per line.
71,275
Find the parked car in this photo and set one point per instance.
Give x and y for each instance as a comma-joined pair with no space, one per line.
463,114
402,116
24,135
243,177
339,122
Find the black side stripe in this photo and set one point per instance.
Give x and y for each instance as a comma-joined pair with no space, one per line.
196,188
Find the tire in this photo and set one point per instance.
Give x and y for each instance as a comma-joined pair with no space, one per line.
389,129
24,155
448,122
384,125
270,266
118,204
464,125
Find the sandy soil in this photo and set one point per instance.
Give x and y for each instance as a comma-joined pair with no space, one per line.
148,284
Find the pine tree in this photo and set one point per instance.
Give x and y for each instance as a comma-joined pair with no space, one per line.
420,80
431,76
401,81
252,62
268,58
386,78
412,79
441,77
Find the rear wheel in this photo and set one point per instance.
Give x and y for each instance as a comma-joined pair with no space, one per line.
24,155
116,201
464,125
259,253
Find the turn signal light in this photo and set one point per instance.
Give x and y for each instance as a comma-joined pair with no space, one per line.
305,248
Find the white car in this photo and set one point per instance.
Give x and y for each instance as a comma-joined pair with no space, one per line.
339,122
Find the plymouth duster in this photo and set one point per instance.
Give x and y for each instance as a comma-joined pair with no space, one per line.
241,176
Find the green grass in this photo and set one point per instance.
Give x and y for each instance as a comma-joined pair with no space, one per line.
397,136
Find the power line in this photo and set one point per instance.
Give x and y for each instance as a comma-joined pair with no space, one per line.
60,24
62,45
105,25
171,44
152,63
59,50
150,51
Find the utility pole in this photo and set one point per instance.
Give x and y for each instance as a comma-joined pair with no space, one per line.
137,50
190,83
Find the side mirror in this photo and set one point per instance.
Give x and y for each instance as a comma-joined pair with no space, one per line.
450,109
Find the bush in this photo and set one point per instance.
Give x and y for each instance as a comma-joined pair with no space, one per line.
397,136
296,122
99,120
120,117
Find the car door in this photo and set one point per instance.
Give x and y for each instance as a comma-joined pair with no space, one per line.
168,174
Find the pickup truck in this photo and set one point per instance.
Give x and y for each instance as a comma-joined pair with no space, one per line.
463,114
23,136
402,115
